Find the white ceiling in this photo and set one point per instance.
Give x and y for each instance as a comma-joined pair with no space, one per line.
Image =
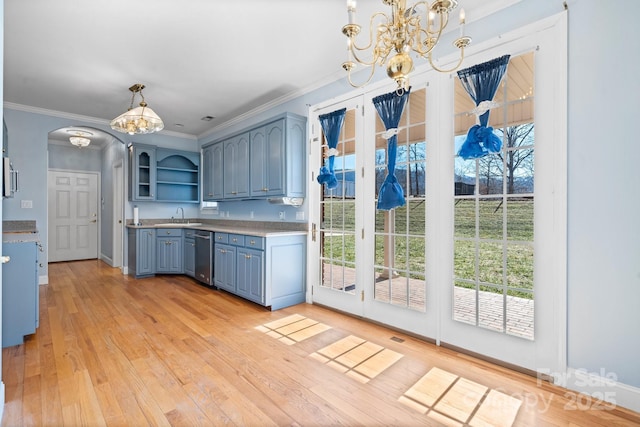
197,58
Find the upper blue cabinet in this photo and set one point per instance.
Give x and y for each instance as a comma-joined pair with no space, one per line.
273,166
163,175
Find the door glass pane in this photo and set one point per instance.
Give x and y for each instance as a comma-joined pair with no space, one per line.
337,227
493,284
400,270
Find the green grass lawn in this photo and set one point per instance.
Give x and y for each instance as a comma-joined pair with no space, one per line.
409,241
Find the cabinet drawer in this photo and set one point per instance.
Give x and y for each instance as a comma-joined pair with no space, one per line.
254,242
222,238
236,239
165,232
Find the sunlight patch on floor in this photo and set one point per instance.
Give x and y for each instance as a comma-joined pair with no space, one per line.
357,358
455,401
293,329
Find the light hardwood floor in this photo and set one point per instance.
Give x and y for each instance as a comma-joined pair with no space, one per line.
112,350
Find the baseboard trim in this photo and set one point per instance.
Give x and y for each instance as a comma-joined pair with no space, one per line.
106,259
602,389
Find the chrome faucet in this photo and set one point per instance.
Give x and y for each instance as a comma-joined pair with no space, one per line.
180,209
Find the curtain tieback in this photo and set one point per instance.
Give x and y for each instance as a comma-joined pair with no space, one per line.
332,152
390,133
484,106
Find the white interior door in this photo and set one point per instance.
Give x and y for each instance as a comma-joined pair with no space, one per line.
73,215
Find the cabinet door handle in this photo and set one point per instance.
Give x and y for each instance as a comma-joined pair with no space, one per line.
247,256
265,189
234,240
5,259
252,242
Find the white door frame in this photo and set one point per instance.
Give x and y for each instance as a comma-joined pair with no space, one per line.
118,214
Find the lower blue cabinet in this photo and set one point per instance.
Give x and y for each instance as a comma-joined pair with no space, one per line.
142,252
270,271
250,274
169,251
224,266
19,292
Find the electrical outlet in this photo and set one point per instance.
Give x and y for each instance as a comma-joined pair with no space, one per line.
281,214
26,204
251,214
300,216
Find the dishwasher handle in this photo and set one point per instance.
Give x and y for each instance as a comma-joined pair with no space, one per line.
200,236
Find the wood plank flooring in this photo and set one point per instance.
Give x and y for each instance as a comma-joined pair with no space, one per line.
116,351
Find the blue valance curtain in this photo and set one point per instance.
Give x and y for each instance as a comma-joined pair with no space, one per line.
481,83
390,107
331,125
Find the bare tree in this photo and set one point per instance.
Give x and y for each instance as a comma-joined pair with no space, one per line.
516,156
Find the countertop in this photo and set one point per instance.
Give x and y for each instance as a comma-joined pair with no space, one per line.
250,228
20,231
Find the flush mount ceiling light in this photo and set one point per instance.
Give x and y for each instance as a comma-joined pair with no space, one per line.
79,138
407,29
137,120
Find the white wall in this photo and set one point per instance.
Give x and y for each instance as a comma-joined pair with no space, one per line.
604,189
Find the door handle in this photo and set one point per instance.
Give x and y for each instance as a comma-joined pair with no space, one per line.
5,259
95,220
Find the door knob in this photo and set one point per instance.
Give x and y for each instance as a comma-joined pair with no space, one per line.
94,220
5,259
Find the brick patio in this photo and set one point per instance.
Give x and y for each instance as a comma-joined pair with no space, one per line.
488,311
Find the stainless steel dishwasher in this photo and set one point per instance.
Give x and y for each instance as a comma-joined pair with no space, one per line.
204,252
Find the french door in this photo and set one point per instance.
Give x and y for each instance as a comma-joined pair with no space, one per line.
337,215
476,258
372,263
503,245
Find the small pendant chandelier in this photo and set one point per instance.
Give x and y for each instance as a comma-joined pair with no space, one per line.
139,120
80,138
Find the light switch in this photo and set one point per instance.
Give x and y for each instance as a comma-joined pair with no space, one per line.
26,204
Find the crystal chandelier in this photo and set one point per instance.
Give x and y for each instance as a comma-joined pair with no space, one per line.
141,119
80,139
416,28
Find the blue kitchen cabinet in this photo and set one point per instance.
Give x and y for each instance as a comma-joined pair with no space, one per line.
236,167
142,161
20,297
189,251
142,251
177,176
213,172
169,251
250,274
163,175
224,263
277,158
264,161
267,270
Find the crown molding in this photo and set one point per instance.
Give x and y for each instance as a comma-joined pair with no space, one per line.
79,117
332,78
